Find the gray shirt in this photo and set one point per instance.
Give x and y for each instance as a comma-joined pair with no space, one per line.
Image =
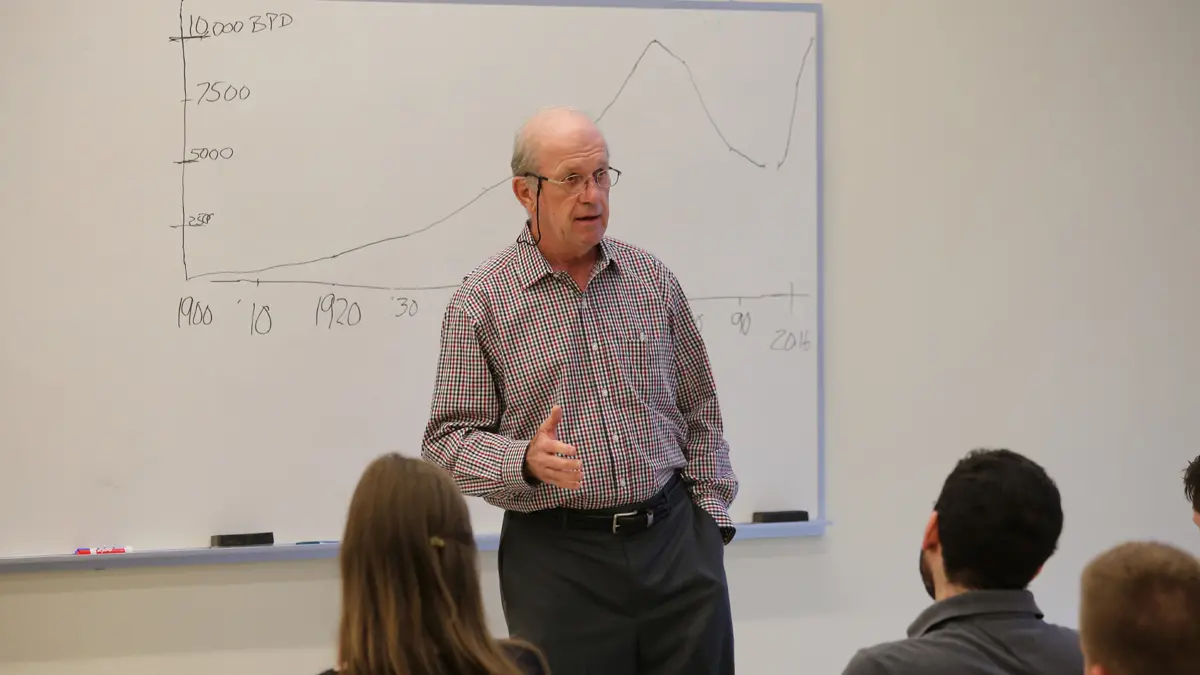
977,633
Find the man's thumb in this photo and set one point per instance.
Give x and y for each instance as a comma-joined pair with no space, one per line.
551,423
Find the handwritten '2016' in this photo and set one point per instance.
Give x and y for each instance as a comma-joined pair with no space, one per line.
786,341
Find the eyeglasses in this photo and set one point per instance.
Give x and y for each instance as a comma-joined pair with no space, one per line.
575,184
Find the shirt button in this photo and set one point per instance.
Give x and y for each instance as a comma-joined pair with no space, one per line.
583,303
595,346
642,337
621,483
603,393
616,438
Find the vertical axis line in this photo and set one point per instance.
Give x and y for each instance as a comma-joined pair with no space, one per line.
183,224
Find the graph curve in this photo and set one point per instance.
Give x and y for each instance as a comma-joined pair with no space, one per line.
632,71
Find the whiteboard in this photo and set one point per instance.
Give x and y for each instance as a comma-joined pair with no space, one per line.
225,257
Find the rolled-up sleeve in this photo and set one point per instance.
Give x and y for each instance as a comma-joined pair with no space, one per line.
465,414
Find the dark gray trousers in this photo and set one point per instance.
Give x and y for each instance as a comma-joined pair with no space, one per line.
653,602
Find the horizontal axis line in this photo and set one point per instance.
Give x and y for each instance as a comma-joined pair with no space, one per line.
762,296
446,287
258,282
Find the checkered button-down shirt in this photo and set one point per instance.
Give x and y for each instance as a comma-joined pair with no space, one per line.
623,358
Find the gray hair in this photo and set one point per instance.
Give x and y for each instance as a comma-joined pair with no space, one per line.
524,155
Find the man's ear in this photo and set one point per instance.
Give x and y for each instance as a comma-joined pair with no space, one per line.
932,541
524,194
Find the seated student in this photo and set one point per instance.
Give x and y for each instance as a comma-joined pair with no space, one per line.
1191,488
995,524
411,602
1139,611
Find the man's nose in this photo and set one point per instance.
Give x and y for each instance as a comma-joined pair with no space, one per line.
590,190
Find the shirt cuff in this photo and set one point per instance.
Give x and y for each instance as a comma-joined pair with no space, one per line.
512,467
720,513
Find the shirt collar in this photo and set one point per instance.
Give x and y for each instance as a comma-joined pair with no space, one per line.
974,603
532,266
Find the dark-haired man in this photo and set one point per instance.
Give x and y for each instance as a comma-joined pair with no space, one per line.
995,524
1191,488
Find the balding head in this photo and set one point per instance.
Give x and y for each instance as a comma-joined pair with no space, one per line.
561,177
548,125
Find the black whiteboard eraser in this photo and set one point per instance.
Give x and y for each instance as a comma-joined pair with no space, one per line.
780,516
250,539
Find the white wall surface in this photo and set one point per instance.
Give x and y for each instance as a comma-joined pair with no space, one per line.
1012,258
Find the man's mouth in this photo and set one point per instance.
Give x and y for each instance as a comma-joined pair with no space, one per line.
588,219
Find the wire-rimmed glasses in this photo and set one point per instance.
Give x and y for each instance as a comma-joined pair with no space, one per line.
575,183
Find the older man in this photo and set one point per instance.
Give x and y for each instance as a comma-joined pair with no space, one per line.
574,391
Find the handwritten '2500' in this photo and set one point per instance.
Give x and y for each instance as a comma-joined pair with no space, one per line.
199,26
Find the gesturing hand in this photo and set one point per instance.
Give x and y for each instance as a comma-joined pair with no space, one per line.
543,459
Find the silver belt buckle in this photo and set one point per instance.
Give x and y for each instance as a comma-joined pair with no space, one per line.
621,515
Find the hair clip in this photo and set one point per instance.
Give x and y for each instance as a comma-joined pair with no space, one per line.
437,542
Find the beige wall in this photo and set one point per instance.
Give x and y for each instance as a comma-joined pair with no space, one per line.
1012,258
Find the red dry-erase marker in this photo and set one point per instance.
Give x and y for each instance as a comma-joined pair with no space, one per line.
103,550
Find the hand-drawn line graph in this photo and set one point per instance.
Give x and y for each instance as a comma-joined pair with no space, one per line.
700,97
183,37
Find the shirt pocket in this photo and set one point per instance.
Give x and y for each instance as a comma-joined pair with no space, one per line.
647,363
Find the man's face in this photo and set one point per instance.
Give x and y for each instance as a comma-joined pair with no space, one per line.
571,222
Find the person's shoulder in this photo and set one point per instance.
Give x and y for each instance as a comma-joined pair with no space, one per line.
1062,642
889,658
490,271
630,254
1061,633
488,278
641,263
936,653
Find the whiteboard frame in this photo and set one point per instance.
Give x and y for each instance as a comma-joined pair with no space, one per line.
490,542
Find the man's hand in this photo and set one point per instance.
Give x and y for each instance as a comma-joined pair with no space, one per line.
543,460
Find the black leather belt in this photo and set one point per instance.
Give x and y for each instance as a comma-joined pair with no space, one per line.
623,521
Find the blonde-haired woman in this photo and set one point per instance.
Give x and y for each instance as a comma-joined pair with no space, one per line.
411,602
